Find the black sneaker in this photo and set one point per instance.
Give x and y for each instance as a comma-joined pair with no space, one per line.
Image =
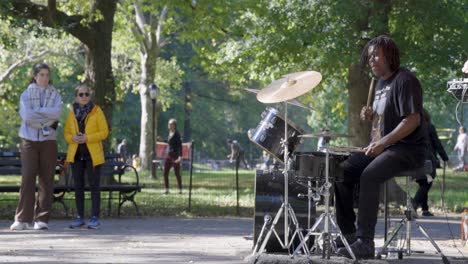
351,238
362,249
427,213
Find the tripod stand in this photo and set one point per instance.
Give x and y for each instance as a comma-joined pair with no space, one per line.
285,208
407,221
327,218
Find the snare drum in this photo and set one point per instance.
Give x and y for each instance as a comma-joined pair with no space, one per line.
311,166
270,132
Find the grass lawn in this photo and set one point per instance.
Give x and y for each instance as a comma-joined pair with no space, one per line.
214,194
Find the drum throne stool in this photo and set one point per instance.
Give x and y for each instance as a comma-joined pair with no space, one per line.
407,220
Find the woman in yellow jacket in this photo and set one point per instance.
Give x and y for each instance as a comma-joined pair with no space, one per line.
85,129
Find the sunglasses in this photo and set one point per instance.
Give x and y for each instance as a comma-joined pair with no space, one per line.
83,94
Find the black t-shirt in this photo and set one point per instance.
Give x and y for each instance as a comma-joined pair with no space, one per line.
395,99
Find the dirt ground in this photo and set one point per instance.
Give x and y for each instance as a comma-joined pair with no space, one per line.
183,240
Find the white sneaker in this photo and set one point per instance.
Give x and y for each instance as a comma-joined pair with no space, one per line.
19,226
40,226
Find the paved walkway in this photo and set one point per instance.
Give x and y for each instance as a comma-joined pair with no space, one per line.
181,240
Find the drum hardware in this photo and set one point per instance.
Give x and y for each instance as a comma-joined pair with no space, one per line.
311,196
266,221
284,89
269,191
327,218
285,208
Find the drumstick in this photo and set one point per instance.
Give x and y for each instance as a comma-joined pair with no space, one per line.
371,91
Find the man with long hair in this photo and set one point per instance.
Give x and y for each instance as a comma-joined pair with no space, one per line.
397,144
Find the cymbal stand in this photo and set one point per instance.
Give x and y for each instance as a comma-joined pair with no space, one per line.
327,218
285,208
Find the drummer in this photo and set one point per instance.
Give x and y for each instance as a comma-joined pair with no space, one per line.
396,144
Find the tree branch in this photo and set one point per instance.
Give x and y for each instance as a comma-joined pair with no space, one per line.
49,16
159,28
136,32
141,22
20,63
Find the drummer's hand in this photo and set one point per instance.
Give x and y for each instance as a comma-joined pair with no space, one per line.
366,113
374,149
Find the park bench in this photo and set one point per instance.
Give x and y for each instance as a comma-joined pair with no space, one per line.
112,173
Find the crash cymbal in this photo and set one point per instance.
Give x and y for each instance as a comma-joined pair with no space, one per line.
324,134
292,101
289,87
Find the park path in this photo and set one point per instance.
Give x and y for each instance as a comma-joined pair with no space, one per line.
184,240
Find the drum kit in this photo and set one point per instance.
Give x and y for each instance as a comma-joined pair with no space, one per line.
305,174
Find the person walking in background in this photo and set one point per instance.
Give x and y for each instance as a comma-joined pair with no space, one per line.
265,160
85,129
122,150
40,110
237,153
434,147
460,148
173,156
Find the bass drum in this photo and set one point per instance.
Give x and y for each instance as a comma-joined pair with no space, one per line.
269,193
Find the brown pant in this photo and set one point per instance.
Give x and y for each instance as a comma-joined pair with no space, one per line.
37,158
167,166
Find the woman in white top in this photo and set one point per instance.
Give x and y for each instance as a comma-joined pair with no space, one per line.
460,148
40,109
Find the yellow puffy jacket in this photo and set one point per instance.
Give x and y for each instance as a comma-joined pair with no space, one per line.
96,131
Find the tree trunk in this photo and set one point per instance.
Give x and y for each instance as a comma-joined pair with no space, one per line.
98,72
358,87
147,32
188,111
145,124
148,67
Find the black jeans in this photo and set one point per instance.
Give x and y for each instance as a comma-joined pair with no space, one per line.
421,196
370,173
241,158
79,168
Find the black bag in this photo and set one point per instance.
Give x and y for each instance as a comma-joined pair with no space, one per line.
55,125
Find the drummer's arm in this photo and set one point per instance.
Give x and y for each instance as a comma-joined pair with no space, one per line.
406,126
